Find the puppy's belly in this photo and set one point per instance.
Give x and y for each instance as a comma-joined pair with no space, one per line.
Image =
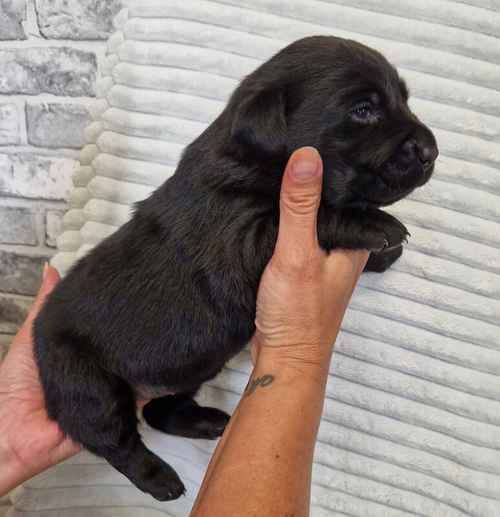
152,392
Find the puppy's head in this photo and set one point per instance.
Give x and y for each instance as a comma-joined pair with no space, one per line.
348,101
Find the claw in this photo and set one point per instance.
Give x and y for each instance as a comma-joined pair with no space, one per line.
383,248
386,250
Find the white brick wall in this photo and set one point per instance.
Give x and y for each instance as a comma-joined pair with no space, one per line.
50,51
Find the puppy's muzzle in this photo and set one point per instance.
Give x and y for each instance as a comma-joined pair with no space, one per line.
420,147
414,161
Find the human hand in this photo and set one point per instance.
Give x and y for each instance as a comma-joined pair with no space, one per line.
29,441
304,291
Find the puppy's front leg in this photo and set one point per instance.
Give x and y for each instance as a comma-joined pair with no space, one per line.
370,229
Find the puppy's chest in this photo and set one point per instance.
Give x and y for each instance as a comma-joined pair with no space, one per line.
144,391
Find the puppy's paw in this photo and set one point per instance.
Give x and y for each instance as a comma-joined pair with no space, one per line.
209,423
199,422
394,230
165,488
158,478
188,419
382,232
380,262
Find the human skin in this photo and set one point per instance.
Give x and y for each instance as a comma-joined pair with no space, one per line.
262,466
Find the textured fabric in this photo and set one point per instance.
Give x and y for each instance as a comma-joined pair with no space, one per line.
412,420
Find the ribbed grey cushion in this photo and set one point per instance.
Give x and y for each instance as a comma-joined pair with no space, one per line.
412,420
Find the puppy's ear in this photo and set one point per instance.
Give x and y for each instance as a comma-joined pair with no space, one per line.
259,123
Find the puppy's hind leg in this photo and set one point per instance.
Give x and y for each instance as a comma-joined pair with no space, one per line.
182,416
97,409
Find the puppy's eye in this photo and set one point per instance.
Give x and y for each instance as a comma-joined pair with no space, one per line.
362,112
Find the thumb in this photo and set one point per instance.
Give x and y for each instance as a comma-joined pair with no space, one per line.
50,279
299,203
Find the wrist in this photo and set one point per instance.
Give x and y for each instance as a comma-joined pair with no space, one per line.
312,355
294,363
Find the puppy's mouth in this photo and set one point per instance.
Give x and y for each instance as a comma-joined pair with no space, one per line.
403,177
392,182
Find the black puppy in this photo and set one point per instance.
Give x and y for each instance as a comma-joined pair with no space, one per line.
159,307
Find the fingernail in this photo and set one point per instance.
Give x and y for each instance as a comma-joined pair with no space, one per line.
306,165
45,270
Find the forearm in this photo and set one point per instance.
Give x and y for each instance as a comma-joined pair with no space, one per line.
263,463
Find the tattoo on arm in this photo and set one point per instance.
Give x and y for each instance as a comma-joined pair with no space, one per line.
262,382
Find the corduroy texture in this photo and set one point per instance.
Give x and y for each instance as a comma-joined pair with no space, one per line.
412,419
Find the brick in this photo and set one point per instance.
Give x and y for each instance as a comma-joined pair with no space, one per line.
76,19
17,226
60,71
32,176
12,14
9,124
53,226
57,125
20,274
13,312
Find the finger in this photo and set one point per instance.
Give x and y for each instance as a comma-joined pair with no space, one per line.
49,281
299,203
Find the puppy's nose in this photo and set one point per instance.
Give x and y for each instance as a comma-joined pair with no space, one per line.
427,154
425,151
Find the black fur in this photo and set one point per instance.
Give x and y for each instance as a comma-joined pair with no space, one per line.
161,305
